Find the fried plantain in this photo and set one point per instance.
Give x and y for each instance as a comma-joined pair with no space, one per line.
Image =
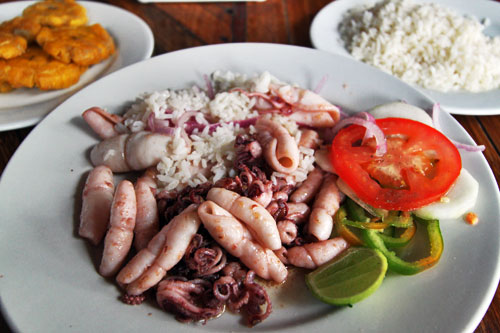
11,46
36,68
23,27
5,87
85,45
57,13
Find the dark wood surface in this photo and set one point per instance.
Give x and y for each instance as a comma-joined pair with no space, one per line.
182,25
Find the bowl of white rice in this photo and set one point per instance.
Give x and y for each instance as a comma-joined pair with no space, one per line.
448,49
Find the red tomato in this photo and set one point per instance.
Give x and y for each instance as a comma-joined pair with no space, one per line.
419,167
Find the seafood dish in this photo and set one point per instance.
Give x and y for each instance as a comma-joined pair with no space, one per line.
49,46
226,188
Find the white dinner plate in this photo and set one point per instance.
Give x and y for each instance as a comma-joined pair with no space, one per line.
325,36
49,279
134,42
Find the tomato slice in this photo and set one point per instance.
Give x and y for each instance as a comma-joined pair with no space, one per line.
420,166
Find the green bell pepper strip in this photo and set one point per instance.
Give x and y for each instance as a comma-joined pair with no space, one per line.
366,225
398,221
359,219
343,230
372,239
402,240
355,211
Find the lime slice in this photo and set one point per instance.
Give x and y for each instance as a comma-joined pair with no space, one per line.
349,278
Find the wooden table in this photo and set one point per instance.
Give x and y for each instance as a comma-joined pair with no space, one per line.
178,26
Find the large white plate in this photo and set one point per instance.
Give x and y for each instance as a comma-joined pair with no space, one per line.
134,41
325,36
50,282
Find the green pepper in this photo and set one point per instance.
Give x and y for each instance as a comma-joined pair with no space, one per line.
374,240
355,212
366,225
397,242
343,230
399,221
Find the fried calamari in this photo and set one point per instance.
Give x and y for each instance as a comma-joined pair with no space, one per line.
84,45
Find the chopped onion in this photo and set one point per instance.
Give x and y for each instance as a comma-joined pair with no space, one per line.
372,130
435,117
368,117
436,109
321,84
342,113
159,126
210,88
273,101
246,122
466,147
191,126
184,118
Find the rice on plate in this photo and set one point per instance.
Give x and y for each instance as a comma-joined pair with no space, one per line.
210,147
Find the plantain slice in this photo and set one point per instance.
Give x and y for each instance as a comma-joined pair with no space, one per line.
56,13
84,45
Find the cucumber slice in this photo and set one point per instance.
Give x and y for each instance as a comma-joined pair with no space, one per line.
460,198
401,110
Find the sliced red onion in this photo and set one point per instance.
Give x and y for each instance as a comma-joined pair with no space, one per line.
179,122
159,126
466,147
321,84
191,126
368,117
342,113
372,130
435,116
275,101
185,136
210,88
246,122
436,109
166,110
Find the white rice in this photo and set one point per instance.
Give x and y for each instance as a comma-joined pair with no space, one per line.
210,155
228,106
211,151
424,44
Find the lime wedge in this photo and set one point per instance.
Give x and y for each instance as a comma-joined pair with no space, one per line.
349,278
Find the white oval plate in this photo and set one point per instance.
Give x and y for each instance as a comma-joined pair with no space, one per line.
325,36
50,282
134,42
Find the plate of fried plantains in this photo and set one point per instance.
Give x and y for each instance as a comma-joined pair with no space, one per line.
52,48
